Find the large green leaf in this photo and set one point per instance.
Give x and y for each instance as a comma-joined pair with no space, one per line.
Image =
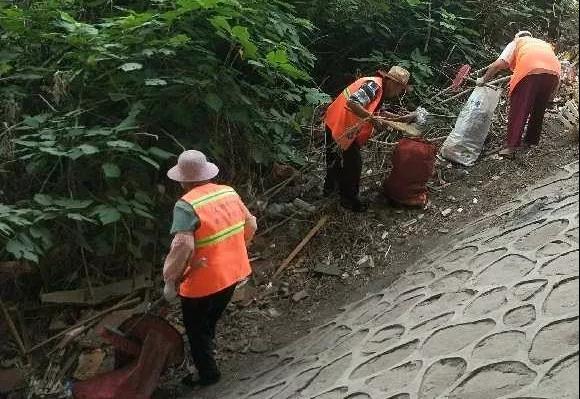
111,170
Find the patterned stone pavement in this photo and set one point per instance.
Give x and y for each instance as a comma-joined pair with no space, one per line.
493,315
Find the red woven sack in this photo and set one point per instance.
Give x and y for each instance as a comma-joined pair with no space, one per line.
413,164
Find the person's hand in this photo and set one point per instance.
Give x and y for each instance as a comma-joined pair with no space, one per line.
480,82
169,291
377,122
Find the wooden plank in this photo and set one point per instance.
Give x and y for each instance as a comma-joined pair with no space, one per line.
101,294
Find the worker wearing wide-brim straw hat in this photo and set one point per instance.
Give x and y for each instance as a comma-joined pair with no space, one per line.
536,74
208,255
349,123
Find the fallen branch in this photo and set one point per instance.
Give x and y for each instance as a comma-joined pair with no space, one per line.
493,82
300,246
84,324
12,328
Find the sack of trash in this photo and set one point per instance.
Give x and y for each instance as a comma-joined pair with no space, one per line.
413,165
465,142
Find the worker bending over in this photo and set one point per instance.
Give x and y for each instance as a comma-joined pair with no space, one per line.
536,74
208,256
349,123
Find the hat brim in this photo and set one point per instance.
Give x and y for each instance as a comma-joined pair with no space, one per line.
209,172
405,85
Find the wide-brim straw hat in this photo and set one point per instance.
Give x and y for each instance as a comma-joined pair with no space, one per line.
398,74
193,167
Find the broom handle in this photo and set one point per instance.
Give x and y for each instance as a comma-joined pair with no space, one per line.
500,80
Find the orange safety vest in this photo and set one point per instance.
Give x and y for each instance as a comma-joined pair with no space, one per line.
219,241
339,117
532,54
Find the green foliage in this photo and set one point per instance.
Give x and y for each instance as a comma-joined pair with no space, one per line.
97,98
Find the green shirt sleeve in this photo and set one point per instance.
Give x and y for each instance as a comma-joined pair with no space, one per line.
184,218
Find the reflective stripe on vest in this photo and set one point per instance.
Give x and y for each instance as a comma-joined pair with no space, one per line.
221,235
204,200
219,241
532,54
339,118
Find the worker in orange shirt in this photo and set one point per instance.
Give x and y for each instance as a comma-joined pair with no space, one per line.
349,123
208,256
536,75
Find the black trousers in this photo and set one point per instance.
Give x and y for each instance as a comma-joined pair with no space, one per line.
200,316
343,169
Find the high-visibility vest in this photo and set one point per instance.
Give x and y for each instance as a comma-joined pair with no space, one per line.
339,118
220,259
532,54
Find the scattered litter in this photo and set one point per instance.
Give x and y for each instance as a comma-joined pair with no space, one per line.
328,269
260,345
89,363
273,313
409,223
475,201
459,210
443,231
300,296
385,235
345,276
366,262
388,251
447,212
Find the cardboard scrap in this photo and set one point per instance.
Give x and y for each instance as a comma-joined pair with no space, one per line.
89,363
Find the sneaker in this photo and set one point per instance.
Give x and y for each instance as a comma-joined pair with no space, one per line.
507,152
192,382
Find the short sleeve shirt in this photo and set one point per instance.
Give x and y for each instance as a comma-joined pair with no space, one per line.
366,93
508,53
184,218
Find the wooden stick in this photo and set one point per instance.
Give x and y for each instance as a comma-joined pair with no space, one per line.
12,328
500,80
300,246
126,302
281,223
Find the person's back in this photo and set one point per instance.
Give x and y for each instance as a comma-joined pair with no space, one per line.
219,241
532,56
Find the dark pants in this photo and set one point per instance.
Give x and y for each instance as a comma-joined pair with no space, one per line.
528,103
343,169
200,316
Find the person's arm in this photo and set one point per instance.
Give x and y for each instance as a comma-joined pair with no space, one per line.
250,227
408,118
494,69
182,248
185,222
503,62
361,98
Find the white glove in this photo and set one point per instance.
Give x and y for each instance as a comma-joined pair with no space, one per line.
169,291
480,82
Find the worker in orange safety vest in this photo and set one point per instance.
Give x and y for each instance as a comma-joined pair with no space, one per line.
536,75
208,256
349,123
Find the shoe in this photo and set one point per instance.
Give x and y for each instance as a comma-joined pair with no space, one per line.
192,382
507,152
354,205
